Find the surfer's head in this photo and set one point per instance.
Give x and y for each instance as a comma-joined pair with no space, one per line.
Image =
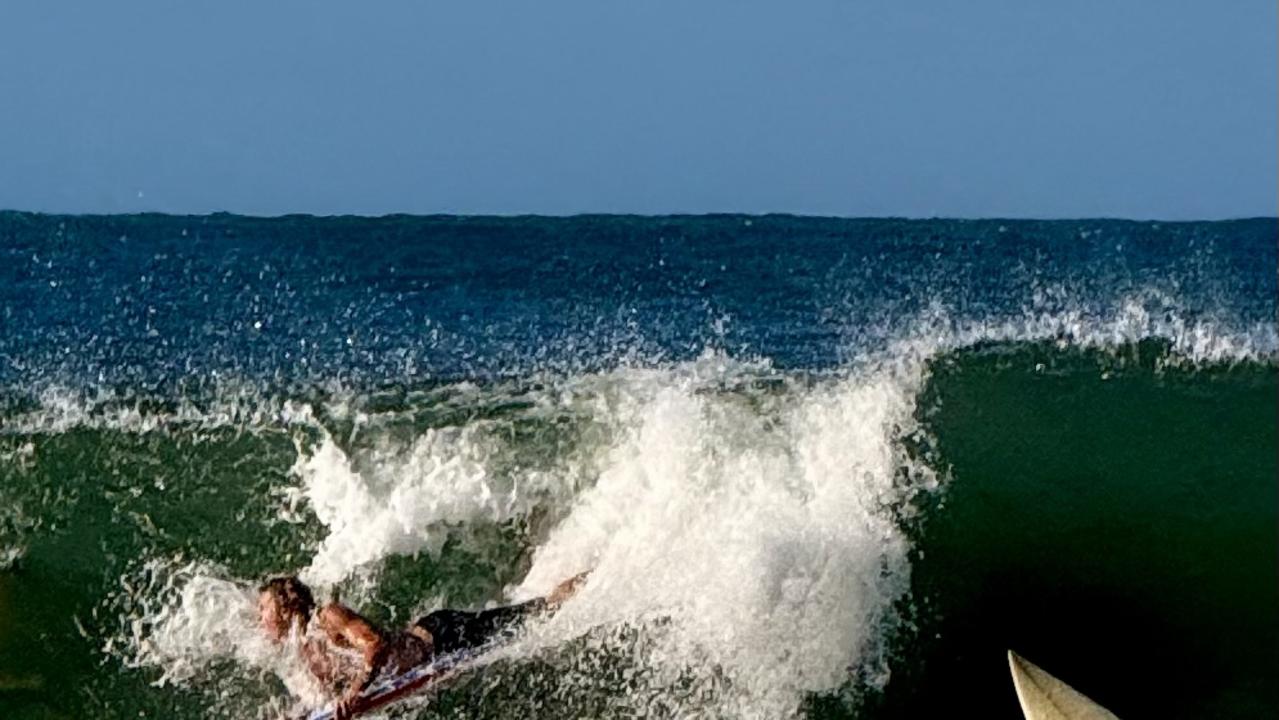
282,603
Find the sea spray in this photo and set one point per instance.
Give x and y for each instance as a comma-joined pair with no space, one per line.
758,530
200,630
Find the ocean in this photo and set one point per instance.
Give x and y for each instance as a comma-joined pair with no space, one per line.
821,468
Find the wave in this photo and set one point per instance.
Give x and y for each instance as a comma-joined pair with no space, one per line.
754,530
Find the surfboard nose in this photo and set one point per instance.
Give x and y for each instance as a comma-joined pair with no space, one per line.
1044,697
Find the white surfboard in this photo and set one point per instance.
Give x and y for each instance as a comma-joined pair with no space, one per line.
418,679
1044,697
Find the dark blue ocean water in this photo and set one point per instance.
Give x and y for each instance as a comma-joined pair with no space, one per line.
158,298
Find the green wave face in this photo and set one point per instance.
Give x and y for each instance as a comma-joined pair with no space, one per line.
1108,513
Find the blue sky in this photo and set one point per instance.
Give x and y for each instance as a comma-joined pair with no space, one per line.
1156,109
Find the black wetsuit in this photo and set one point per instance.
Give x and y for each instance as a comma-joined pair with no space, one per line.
451,630
454,630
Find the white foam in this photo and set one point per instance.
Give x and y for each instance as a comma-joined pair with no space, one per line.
183,617
59,409
401,499
765,540
1055,315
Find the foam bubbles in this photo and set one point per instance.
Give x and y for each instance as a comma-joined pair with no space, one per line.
187,619
760,535
401,500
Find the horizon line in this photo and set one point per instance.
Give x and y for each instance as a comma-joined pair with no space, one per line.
584,215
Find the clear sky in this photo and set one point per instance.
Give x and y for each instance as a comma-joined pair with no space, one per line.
1017,108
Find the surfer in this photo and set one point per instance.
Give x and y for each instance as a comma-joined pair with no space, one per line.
346,652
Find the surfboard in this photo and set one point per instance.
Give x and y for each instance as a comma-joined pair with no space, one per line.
1044,697
412,681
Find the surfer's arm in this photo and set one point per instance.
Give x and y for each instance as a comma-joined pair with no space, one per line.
346,628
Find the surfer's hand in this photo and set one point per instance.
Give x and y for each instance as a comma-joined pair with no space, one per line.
345,709
566,589
350,703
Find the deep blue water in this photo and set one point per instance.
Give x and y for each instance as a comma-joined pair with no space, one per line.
154,299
